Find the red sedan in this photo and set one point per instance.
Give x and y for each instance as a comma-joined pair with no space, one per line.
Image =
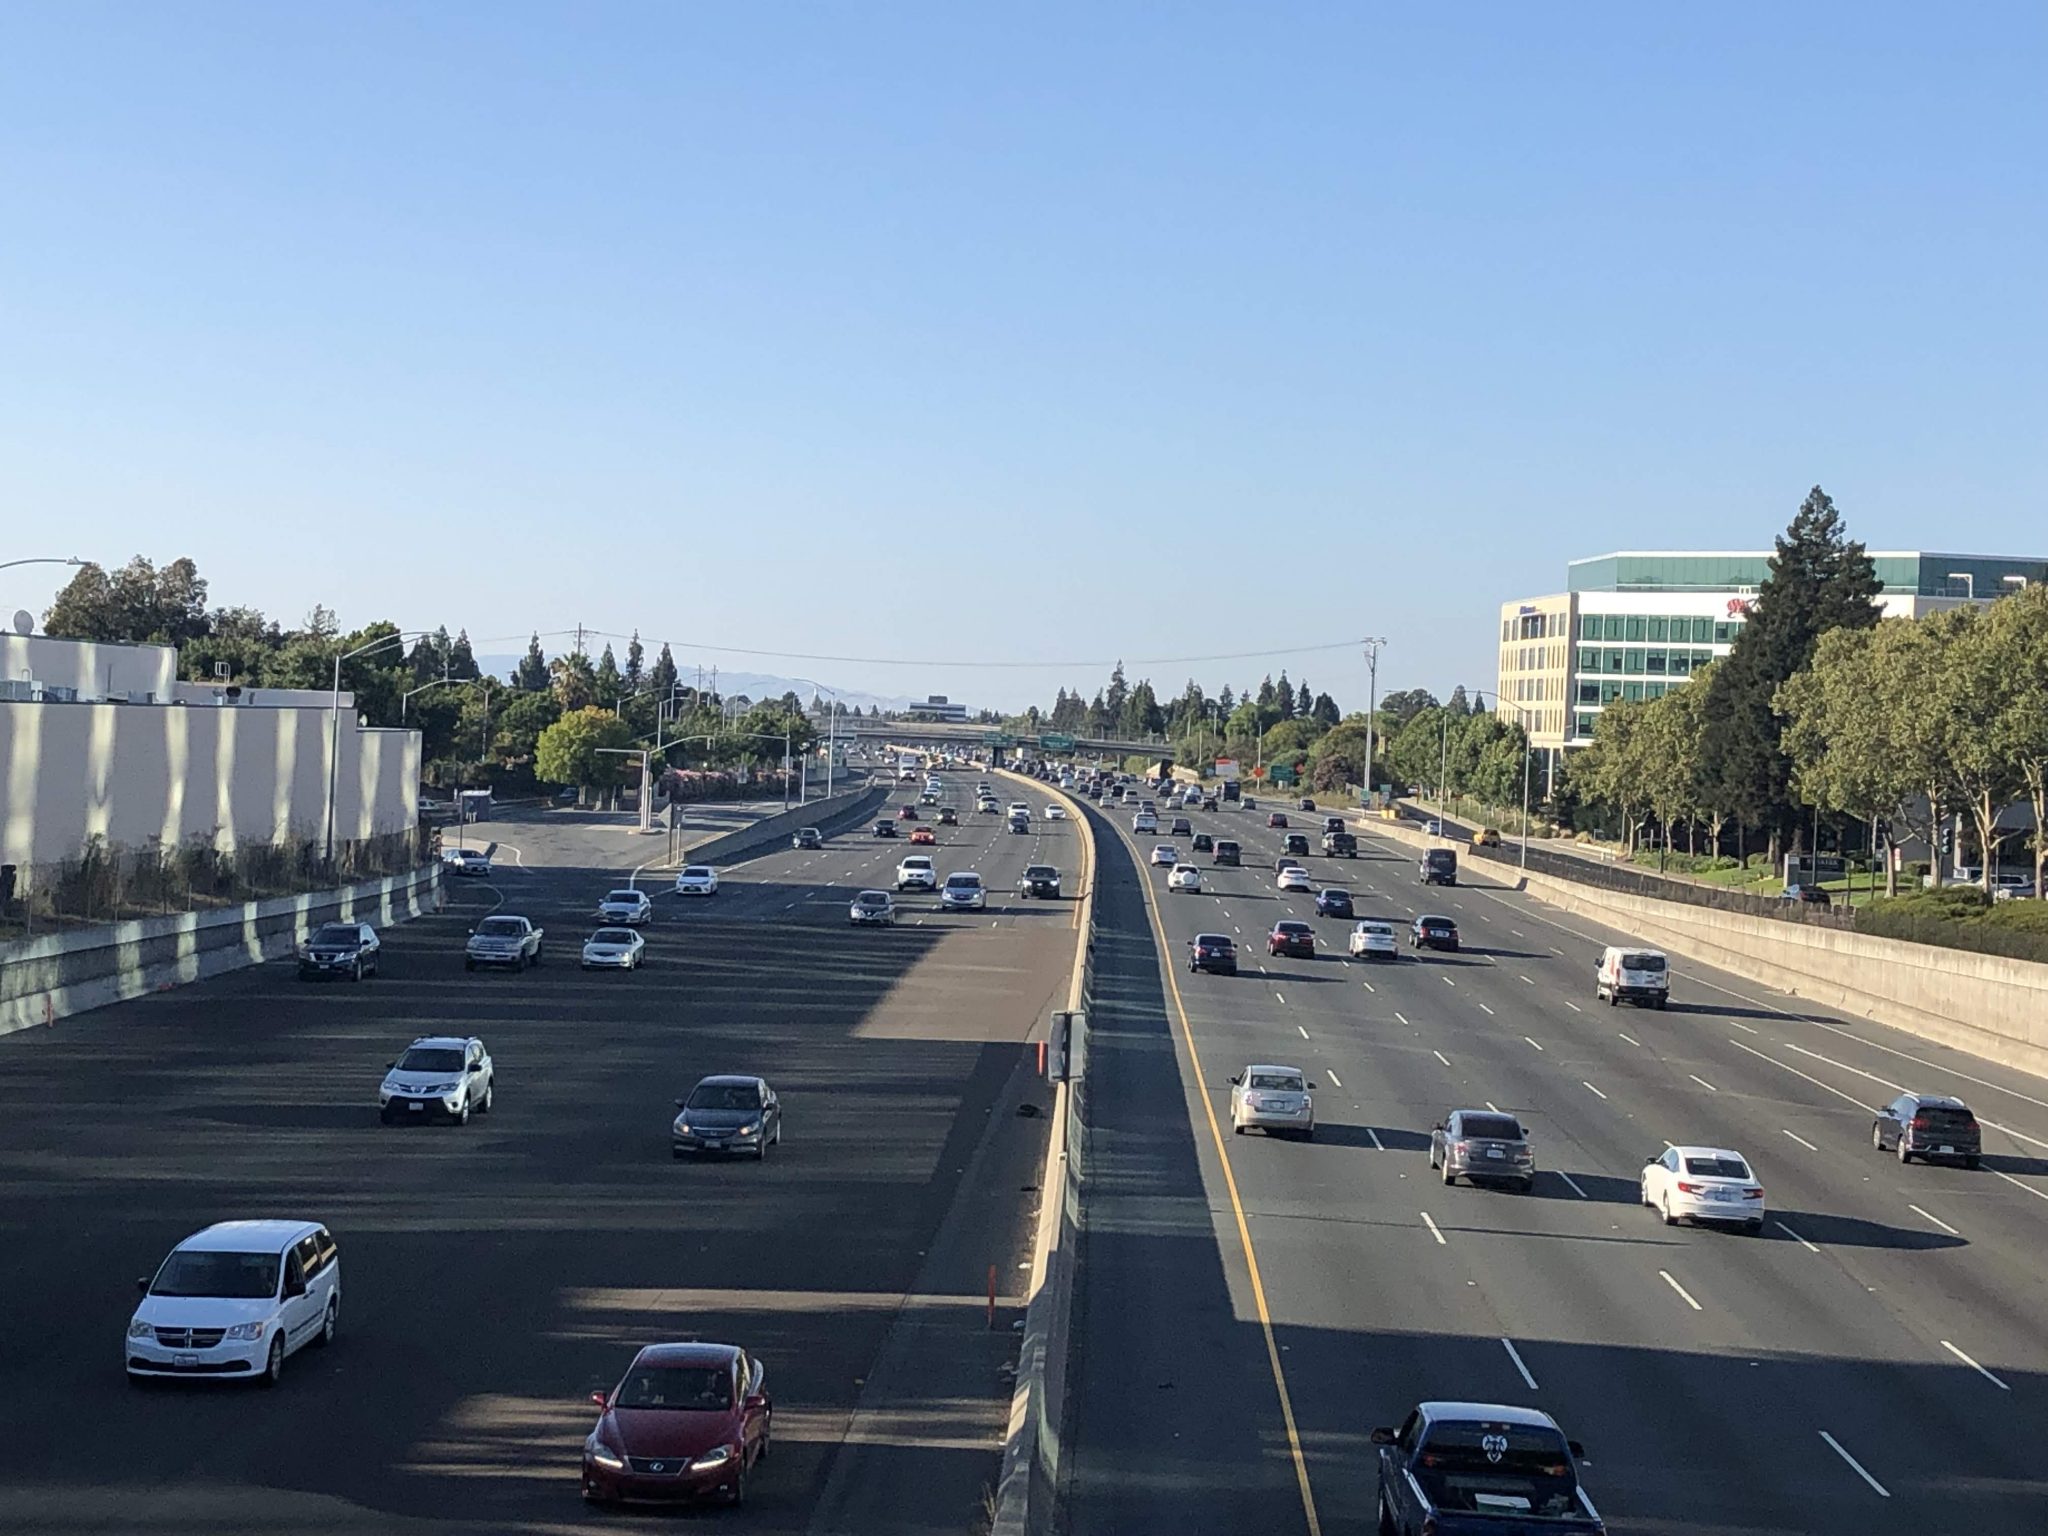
1276,819
924,835
687,1422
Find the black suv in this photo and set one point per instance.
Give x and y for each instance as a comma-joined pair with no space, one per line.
340,949
1296,843
1440,867
1929,1126
1040,880
1226,852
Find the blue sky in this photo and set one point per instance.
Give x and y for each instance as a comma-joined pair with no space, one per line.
1046,333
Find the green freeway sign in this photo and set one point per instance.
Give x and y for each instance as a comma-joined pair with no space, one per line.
1052,741
1283,773
997,739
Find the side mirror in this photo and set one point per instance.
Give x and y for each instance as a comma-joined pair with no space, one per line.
1383,1436
1236,1078
1438,1126
679,1103
476,1066
601,1399
294,1287
755,1402
142,1285
1575,1448
390,1066
1311,1087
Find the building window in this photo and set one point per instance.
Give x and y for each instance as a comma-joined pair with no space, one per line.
1659,630
1609,692
1653,663
1589,626
1635,627
1632,691
1702,631
1632,659
1589,693
1724,634
1654,690
1612,662
1585,724
1681,663
1610,626
1589,659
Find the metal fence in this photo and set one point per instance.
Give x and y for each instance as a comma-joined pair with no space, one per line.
112,884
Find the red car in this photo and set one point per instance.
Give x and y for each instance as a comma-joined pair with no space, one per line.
687,1422
1292,938
1277,819
907,813
924,835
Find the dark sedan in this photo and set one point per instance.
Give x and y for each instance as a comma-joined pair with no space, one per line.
1276,819
1333,903
1805,895
885,829
687,1422
906,813
1433,933
1212,952
1292,938
728,1113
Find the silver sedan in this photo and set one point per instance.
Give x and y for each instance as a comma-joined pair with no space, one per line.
1277,1100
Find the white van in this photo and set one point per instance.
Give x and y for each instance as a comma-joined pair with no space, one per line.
232,1301
1633,975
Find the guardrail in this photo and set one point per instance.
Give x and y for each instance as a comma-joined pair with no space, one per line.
1027,1493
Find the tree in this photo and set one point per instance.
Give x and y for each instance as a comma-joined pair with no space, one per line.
1458,704
1403,705
1338,756
662,677
636,664
1118,694
1289,741
1819,580
1973,692
1610,768
1267,698
1283,698
1099,721
2016,627
573,682
1842,729
1226,701
568,752
1304,701
1324,711
1141,714
136,605
609,684
532,672
1670,741
461,660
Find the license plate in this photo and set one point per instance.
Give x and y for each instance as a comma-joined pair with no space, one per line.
1723,1194
1948,1151
415,1107
184,1361
715,1146
1495,1152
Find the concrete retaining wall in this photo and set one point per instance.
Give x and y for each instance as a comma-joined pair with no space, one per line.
835,814
46,979
1987,1005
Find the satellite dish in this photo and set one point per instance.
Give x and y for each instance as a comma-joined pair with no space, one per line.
24,622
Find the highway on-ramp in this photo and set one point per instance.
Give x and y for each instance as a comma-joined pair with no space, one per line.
1252,1307
495,1273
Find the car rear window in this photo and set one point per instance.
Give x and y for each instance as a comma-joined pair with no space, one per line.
1642,962
1226,846
1946,1116
1717,1167
1492,1127
1276,1082
1497,1469
1214,941
501,928
1378,930
1293,928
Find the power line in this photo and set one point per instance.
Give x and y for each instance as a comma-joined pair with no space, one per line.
949,661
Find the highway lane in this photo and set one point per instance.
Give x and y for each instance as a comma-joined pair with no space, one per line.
1703,1368
493,1274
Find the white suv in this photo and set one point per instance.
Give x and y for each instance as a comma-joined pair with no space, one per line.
915,873
440,1077
234,1300
963,893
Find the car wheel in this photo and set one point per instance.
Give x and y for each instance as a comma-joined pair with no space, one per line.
356,971
1528,1186
490,1096
1904,1155
1662,1003
1236,1129
462,1114
738,1496
273,1368
1386,1518
1450,1178
328,1323
1877,1136
1754,1228
1664,1211
468,964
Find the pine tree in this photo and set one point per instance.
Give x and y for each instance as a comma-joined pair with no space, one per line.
661,678
1226,701
1267,706
636,664
1820,580
1324,710
1304,701
462,660
611,685
1458,705
532,674
1118,694
1283,698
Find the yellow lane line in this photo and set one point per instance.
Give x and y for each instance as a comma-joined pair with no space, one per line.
1244,1233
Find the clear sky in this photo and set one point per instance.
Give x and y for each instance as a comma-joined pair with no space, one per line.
1015,332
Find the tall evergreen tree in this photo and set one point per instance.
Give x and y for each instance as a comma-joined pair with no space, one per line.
1266,702
636,664
1458,704
1118,693
532,673
1226,701
1304,701
611,685
1324,710
661,678
462,660
1820,580
1283,698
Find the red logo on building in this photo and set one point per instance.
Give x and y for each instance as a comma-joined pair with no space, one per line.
1737,607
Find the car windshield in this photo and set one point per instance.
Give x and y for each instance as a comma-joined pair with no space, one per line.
1498,1469
500,928
724,1096
337,933
431,1058
1717,1167
1642,962
626,897
872,899
1041,872
1279,1082
963,882
697,872
622,936
243,1276
1492,1127
690,1388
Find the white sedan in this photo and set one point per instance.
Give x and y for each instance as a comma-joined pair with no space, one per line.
1166,854
1055,812
467,861
630,907
1294,878
1185,877
1374,941
1704,1184
1277,1100
613,949
697,880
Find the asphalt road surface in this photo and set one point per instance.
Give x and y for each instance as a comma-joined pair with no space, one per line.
1876,1360
496,1273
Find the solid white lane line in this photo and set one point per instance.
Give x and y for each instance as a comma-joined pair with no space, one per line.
1377,1145
1335,1081
1575,1008
1682,1291
1571,1183
1973,1365
1795,1237
1702,1082
1516,932
1951,1231
1433,1232
1532,1042
1896,1088
1595,1091
1801,1140
1509,1346
1631,1039
1786,1066
1440,1056
2016,1184
1880,1489
1484,1009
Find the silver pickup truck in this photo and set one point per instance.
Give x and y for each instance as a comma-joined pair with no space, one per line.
503,940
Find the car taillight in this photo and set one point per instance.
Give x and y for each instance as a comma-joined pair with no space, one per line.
1461,1147
1922,1123
1752,1193
1691,1189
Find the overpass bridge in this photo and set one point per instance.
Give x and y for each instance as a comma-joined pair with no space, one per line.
963,736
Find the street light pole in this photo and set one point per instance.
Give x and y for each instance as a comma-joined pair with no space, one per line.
1372,704
334,723
8,565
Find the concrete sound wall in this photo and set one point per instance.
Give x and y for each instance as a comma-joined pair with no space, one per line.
130,773
52,977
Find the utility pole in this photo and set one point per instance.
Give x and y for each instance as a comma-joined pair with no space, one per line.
1372,704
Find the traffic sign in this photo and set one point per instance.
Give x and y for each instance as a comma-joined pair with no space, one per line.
997,739
1283,773
1053,741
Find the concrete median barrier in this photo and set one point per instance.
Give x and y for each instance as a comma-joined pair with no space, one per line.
55,976
835,814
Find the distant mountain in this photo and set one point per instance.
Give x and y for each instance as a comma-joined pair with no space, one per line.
755,685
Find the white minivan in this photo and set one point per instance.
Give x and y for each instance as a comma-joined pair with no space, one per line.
1633,975
232,1301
